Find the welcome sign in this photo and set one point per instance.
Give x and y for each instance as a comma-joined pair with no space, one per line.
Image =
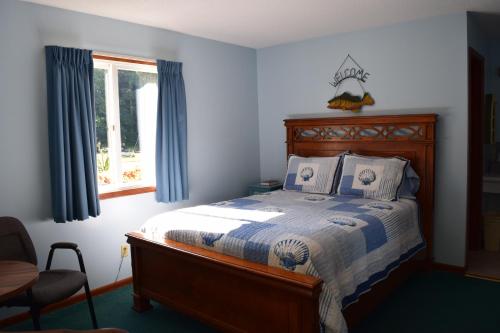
350,94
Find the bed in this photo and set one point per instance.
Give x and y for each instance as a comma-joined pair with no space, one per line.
242,292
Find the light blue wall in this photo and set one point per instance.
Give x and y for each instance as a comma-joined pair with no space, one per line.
416,67
223,148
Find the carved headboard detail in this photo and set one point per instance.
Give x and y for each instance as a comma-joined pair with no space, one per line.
409,136
382,132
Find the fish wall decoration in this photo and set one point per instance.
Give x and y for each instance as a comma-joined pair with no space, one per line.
350,94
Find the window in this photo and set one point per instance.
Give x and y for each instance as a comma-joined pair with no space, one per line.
125,98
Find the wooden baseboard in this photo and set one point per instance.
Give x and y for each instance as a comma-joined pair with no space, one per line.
67,302
448,268
483,277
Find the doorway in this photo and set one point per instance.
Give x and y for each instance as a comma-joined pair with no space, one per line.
483,214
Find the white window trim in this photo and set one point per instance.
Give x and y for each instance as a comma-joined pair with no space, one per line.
113,121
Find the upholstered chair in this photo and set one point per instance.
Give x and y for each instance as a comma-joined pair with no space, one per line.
53,285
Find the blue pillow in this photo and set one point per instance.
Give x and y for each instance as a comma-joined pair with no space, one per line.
372,178
411,184
311,174
338,172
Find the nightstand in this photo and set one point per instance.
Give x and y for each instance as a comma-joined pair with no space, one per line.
257,188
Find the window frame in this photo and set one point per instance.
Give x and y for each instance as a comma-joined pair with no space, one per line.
112,65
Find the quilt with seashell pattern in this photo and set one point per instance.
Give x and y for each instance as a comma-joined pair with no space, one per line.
349,242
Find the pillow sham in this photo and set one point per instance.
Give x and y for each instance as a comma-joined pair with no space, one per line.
372,177
311,174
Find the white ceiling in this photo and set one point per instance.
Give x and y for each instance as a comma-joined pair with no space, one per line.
262,23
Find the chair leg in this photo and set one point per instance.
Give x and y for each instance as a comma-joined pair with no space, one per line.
91,305
34,310
35,316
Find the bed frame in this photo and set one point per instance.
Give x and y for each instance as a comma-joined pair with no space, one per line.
235,295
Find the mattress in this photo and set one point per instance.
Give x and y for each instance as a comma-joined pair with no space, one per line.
349,242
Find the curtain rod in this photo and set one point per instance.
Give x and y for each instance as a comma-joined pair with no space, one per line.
121,58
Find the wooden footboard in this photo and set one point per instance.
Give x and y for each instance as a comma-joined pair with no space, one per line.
230,294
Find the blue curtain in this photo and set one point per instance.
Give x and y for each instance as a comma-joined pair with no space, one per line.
72,133
171,134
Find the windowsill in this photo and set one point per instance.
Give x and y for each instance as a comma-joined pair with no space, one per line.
126,191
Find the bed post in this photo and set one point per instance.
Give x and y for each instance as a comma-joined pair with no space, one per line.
141,303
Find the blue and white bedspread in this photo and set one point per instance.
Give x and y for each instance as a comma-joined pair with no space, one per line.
349,242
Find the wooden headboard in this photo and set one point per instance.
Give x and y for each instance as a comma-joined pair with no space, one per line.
409,136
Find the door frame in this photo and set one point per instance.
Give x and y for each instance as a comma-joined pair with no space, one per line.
476,83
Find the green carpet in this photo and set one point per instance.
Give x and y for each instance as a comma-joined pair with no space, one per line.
438,302
428,302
